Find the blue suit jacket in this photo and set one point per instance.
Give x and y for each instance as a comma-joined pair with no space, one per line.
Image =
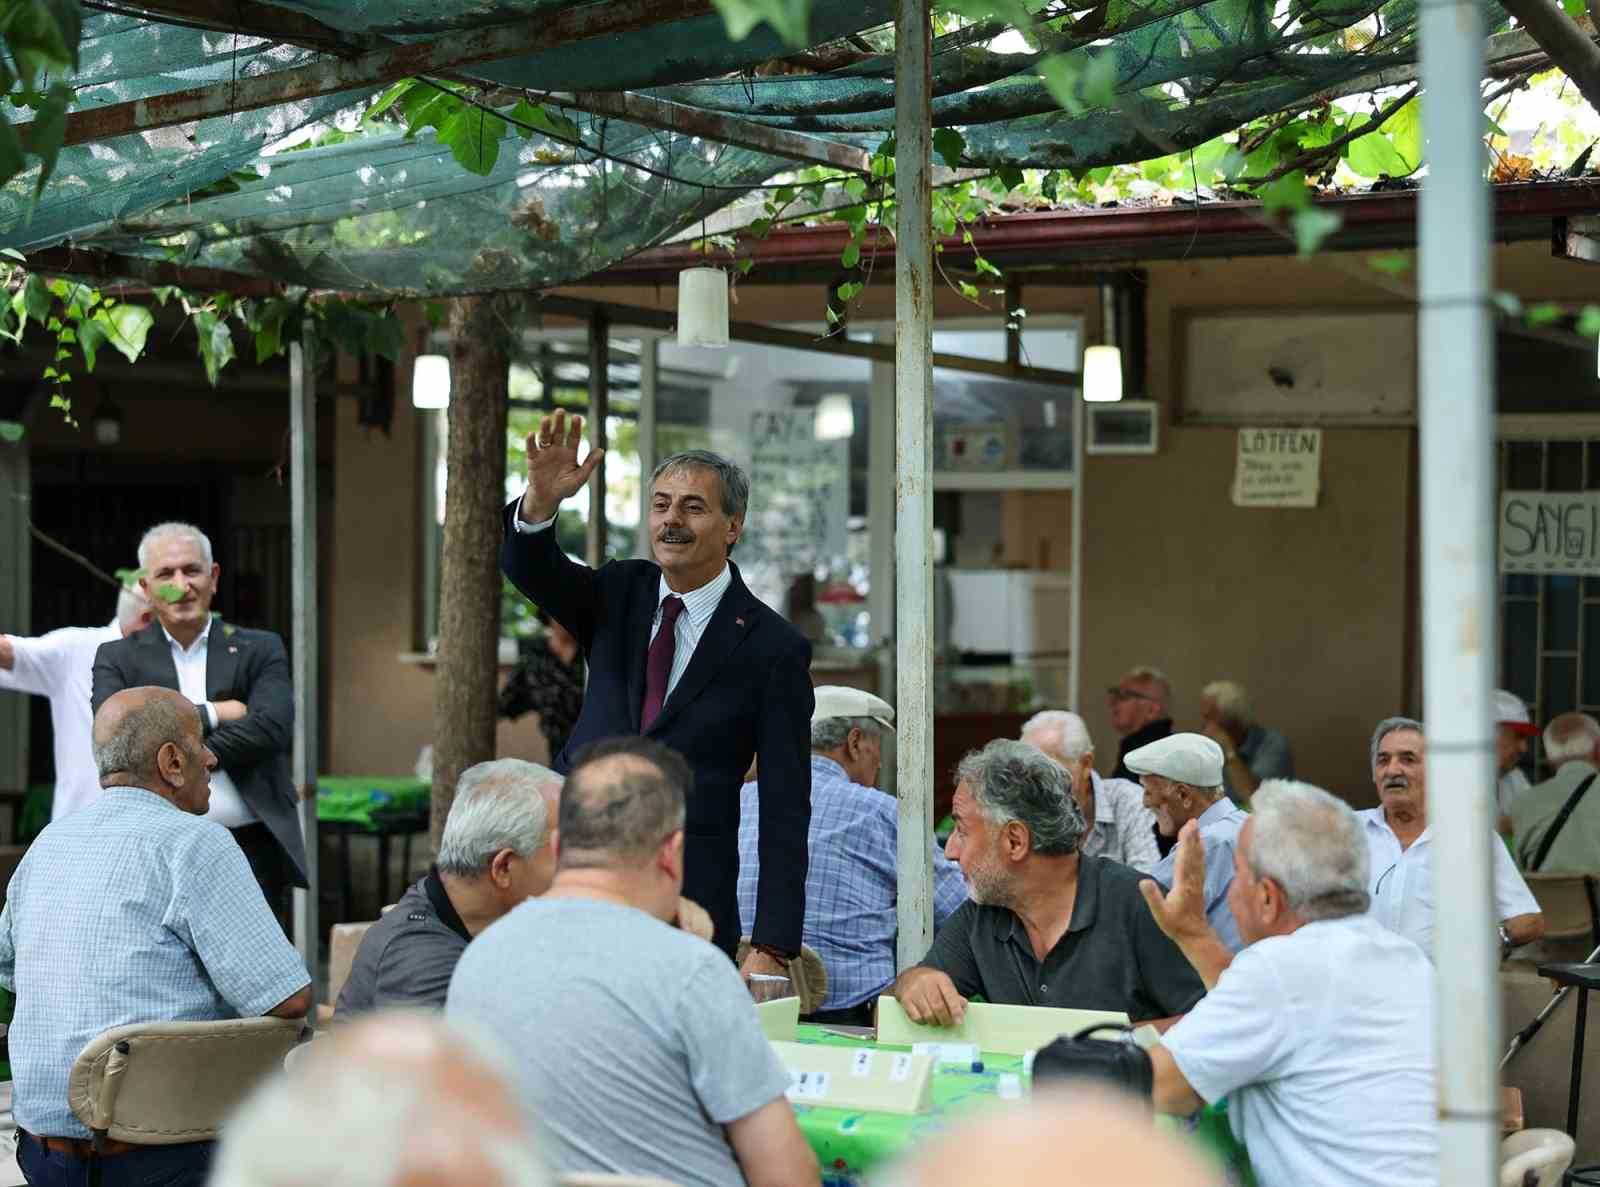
745,694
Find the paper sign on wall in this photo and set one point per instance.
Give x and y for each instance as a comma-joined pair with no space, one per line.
1549,532
1278,468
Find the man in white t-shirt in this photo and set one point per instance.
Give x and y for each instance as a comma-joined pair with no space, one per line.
60,665
1513,731
1320,1032
1401,848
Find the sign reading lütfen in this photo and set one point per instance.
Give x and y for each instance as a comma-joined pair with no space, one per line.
1278,468
1550,532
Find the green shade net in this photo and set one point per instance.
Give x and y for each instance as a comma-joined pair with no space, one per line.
381,213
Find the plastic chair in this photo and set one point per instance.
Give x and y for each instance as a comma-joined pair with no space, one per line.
603,1179
1535,1158
1571,917
162,1083
807,974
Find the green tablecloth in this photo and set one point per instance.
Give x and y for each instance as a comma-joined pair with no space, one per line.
852,1144
363,800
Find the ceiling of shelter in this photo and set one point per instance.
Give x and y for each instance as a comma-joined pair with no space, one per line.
381,213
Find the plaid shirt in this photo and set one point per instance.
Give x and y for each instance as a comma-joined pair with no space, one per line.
850,884
1124,829
129,910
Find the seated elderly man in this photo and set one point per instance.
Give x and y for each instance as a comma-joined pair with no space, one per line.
1251,753
397,1099
1402,848
1320,1032
638,1049
1182,777
851,888
1120,826
1047,925
132,909
1557,822
495,851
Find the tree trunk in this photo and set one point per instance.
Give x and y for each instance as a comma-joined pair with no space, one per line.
466,677
1564,41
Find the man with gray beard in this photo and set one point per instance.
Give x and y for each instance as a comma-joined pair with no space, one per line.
1047,925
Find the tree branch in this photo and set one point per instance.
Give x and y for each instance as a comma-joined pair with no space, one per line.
1323,151
1567,44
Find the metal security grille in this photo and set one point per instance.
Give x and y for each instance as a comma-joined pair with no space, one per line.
1550,625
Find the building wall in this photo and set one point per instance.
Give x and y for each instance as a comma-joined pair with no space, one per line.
1311,609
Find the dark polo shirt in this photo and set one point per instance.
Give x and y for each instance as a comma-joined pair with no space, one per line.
1112,957
408,956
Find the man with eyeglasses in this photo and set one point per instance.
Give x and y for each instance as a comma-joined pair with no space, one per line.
1139,713
1401,848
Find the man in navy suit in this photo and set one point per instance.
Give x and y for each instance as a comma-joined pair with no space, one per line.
682,652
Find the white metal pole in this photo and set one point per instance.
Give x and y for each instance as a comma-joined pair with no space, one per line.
880,528
649,369
303,527
1456,370
913,507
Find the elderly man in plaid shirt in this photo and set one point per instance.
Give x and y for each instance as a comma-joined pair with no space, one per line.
850,884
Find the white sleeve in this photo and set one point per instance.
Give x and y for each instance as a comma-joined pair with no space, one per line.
36,666
528,529
1511,893
1236,1034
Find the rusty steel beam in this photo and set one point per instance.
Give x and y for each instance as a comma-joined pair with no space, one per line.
725,129
254,19
376,68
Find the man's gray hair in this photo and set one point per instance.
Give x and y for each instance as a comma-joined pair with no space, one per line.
829,733
163,531
1569,737
1388,726
131,605
498,805
1067,733
623,797
1014,781
1232,702
1145,674
735,484
140,734
1310,843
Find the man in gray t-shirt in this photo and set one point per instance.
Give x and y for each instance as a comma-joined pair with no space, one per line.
638,1048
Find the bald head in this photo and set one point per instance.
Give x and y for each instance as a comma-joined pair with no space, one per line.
622,799
393,1100
150,738
1110,1138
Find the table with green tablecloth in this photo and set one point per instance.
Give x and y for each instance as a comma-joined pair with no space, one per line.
379,806
851,1143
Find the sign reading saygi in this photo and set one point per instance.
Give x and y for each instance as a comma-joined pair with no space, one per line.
1278,468
1550,532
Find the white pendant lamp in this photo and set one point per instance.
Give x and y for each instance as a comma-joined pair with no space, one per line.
1102,374
702,307
430,382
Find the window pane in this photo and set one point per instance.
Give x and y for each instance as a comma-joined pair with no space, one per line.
982,423
1591,655
1560,686
1561,613
1566,465
1524,470
1520,648
1521,585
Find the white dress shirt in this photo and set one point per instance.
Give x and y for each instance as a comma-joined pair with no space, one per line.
1402,881
698,606
1322,1041
227,805
60,665
1123,829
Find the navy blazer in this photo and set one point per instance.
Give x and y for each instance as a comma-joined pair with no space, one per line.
745,694
241,665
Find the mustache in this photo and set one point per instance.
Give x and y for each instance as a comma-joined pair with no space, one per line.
675,536
1397,781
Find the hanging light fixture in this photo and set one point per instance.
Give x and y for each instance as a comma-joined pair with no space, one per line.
1102,365
1102,374
702,307
107,422
430,382
835,418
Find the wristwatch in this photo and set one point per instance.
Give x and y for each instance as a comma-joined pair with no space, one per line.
1505,941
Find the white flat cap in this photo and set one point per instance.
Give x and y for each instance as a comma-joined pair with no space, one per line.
1184,758
835,700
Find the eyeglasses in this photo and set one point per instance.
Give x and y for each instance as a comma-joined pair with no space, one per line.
1377,888
1127,694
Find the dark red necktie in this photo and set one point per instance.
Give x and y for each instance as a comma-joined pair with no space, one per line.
658,663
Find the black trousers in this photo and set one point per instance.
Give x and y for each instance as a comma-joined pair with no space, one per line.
267,863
